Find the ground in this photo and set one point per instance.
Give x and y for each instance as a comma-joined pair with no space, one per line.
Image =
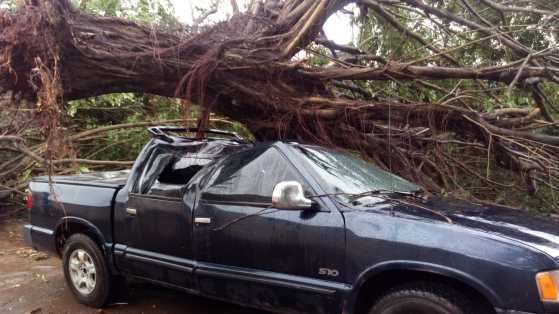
32,282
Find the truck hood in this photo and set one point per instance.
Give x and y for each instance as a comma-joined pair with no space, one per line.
536,230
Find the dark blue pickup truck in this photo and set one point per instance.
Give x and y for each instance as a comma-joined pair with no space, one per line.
290,228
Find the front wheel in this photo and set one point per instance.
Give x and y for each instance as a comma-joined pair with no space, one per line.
424,298
86,271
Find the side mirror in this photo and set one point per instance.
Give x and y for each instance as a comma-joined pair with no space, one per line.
289,195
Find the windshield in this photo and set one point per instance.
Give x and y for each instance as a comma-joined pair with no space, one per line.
343,174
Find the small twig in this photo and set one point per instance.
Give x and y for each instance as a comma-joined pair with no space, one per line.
4,187
519,73
11,138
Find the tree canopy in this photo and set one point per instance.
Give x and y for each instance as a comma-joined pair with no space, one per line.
459,96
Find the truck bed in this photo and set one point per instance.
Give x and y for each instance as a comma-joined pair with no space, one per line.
113,179
76,198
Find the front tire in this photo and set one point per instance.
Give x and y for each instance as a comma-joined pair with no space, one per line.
424,298
85,271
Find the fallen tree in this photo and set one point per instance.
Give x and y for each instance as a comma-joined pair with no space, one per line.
246,69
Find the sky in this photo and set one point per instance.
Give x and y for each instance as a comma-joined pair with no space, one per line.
337,28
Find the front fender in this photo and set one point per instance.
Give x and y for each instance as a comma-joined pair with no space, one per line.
427,268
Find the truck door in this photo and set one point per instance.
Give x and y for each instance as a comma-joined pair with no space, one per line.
155,240
253,254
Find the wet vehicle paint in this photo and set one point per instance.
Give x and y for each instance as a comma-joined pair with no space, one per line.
312,261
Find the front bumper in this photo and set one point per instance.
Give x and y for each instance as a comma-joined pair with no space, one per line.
500,311
549,308
552,308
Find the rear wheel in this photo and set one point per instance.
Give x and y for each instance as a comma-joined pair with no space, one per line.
86,271
424,298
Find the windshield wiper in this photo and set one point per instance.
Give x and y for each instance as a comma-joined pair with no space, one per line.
352,197
414,194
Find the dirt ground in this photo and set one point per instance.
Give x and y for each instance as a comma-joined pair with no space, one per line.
31,282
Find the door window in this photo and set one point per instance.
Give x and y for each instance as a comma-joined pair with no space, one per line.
250,176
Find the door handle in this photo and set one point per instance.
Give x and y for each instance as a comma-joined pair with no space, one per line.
202,220
131,211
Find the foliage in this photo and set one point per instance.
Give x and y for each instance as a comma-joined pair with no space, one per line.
7,4
156,12
415,73
377,36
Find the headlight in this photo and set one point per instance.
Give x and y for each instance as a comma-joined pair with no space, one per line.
548,286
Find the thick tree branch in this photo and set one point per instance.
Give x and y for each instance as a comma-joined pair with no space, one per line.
400,71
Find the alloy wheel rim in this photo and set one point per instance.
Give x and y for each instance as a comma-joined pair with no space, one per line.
82,271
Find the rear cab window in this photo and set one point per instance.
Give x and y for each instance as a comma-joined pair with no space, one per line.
167,172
